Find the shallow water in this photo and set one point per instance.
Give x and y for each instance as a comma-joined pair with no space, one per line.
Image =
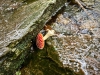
78,40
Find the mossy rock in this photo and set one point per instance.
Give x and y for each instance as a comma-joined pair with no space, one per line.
45,62
20,27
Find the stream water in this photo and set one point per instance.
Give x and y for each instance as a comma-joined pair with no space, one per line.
78,40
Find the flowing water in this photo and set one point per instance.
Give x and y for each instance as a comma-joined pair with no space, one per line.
78,40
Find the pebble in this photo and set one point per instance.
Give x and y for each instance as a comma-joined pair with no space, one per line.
84,31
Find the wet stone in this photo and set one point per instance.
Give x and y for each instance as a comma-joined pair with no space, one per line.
84,31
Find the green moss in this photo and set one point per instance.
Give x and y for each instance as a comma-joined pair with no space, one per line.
45,62
18,73
32,21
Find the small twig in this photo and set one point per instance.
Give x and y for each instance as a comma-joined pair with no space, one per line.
81,6
78,1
